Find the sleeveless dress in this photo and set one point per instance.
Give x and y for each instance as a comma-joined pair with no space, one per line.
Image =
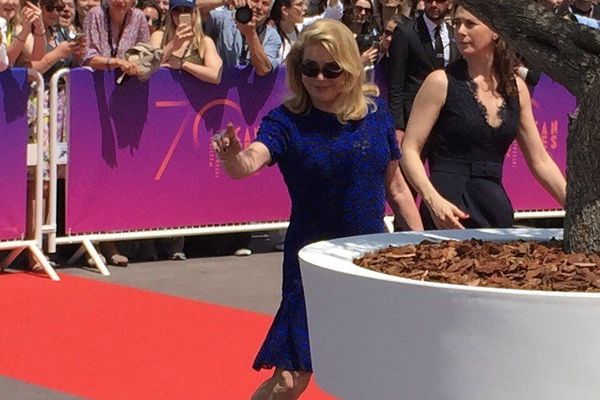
467,154
335,176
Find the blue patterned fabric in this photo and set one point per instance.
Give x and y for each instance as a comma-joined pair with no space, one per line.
335,175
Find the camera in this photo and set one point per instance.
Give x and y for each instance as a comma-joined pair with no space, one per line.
243,15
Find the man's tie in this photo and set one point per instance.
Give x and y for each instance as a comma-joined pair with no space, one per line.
439,48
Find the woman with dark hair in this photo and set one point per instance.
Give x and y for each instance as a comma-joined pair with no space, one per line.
289,18
359,18
153,14
471,113
82,7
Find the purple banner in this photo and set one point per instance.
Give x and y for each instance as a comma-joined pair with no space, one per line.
140,156
14,91
551,105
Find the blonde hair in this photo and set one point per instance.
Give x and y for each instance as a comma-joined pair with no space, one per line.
357,98
197,41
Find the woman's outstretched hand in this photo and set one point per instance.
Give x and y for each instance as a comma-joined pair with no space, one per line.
226,144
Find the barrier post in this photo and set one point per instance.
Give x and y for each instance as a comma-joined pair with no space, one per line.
51,223
39,180
33,244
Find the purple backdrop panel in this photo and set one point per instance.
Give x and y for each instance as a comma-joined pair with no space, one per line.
551,105
140,154
14,91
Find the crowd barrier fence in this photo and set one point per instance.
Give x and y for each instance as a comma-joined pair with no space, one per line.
13,120
140,164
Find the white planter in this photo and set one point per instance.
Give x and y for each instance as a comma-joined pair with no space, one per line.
376,336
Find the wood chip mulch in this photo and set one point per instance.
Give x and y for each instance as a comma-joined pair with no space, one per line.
513,265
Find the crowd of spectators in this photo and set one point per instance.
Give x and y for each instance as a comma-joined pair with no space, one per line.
201,36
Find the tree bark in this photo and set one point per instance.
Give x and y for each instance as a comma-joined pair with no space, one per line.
570,54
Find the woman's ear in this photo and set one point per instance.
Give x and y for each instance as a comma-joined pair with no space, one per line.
495,36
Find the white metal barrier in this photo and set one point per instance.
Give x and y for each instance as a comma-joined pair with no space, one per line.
87,241
34,245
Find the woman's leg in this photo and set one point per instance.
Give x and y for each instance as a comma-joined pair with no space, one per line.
283,385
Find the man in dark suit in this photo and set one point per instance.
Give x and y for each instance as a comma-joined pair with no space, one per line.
418,47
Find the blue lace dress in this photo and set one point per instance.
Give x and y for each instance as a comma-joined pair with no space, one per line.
335,175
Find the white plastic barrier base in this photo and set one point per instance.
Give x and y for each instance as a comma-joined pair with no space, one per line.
17,248
376,336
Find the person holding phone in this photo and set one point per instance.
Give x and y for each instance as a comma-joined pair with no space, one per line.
185,46
64,48
334,143
359,18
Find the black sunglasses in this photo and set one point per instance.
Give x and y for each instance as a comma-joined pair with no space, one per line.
360,9
181,10
387,32
154,21
311,69
52,7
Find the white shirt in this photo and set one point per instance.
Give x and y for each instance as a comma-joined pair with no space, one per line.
444,35
336,12
4,63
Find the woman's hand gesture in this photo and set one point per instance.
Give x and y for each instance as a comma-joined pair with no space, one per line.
369,56
32,16
226,144
446,215
183,34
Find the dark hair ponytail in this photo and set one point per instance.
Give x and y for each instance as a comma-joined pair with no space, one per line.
277,16
503,66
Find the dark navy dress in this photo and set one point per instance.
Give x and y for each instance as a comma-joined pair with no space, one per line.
467,154
335,175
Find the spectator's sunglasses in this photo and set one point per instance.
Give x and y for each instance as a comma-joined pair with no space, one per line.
155,22
311,69
51,7
437,1
387,32
182,10
360,9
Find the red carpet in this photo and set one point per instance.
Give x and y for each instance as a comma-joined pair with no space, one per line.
104,341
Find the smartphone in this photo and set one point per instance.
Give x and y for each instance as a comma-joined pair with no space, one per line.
75,36
375,44
185,19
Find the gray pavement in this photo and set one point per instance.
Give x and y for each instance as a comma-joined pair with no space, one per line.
250,283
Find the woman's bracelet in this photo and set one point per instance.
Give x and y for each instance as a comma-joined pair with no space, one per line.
37,34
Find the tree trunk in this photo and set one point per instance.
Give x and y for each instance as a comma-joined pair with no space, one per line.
582,222
569,53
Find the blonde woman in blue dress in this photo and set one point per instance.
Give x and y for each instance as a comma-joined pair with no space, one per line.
334,142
